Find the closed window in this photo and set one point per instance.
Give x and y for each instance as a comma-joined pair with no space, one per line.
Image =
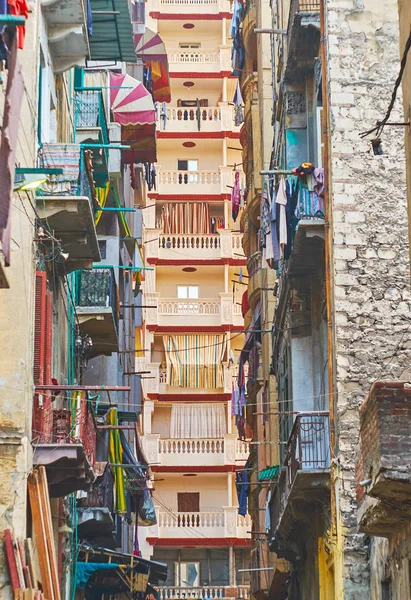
188,291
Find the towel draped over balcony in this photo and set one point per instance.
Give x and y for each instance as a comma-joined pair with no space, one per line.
198,421
195,361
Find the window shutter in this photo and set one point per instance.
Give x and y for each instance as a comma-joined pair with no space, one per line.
40,328
43,353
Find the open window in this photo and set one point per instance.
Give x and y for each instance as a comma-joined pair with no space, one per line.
187,574
191,166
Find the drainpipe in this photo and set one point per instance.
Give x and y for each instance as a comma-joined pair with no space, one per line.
328,257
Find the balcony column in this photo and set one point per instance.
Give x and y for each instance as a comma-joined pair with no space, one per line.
229,418
224,32
231,567
224,94
148,410
224,152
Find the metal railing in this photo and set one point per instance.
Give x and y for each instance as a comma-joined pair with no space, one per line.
97,288
254,264
89,111
67,426
308,446
308,449
76,178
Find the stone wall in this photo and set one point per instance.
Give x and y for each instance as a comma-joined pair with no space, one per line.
368,226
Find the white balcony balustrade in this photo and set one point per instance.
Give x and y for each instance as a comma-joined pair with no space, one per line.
205,592
225,523
202,246
209,311
203,118
204,60
195,452
192,6
218,181
156,380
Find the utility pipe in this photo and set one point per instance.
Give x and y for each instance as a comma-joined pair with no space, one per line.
84,388
328,256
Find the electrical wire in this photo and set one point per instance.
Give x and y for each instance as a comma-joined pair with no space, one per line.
379,128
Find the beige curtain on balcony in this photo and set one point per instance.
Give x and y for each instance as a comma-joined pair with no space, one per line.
194,421
185,217
195,361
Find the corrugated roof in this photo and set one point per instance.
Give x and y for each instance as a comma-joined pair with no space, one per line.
112,37
269,473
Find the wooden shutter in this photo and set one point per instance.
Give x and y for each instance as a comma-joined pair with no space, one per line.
43,353
40,328
188,501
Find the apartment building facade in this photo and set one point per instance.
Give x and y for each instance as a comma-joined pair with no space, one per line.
196,272
332,285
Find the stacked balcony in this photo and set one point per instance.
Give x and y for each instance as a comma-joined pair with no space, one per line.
97,310
66,205
383,476
304,482
92,130
208,119
195,246
65,443
209,312
197,452
67,31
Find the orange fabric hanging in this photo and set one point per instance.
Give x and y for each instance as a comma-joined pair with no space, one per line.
19,8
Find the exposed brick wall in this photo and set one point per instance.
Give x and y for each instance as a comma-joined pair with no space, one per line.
386,429
370,262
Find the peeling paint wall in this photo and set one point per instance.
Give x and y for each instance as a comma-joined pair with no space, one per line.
370,259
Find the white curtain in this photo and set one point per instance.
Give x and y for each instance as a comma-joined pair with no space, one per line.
193,421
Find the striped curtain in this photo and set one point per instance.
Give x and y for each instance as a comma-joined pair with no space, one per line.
195,361
185,217
198,421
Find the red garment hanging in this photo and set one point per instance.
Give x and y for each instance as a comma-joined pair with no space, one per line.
19,8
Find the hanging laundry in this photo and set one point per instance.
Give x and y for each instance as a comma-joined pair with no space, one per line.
242,483
163,115
235,196
281,200
267,514
244,304
19,8
132,177
266,243
153,176
238,106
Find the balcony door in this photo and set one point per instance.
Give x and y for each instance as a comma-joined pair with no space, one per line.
187,504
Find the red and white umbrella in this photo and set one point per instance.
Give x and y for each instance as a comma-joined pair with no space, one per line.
131,103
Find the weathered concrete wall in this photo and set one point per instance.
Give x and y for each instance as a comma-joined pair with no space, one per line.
16,325
370,261
404,7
